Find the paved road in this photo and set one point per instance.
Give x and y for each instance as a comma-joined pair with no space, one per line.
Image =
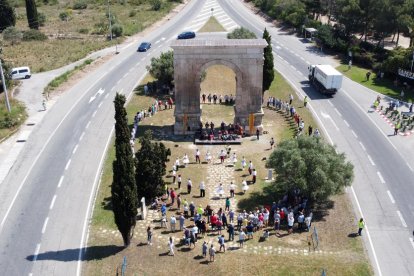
48,193
384,185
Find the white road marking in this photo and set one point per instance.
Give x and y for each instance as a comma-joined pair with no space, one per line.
346,123
68,164
130,70
92,197
330,103
408,165
106,96
36,252
402,219
156,42
118,81
381,178
125,75
83,134
45,225
60,181
87,125
52,203
353,133
75,149
42,150
94,113
327,116
370,160
100,92
308,63
302,58
100,104
336,110
362,146
391,197
412,241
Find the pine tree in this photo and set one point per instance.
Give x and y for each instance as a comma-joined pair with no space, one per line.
32,16
124,189
268,71
7,15
150,167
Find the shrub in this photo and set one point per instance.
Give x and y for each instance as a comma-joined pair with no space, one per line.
241,33
64,16
12,34
83,31
41,17
156,4
80,5
132,13
34,35
117,30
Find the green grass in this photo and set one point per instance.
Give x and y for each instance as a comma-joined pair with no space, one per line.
212,25
383,86
281,89
10,122
56,82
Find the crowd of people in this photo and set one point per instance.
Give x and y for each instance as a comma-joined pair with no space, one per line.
220,99
224,133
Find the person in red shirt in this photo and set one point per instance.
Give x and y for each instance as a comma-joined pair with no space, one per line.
173,196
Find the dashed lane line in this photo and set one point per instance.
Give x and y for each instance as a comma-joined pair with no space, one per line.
381,178
75,149
346,123
60,181
391,197
45,225
52,203
68,164
362,146
370,160
402,219
353,133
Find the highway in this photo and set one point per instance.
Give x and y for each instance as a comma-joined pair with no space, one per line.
48,194
384,187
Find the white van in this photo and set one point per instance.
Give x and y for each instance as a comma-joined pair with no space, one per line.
20,73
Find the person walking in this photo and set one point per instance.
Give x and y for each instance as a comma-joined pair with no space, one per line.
204,249
179,180
189,186
221,241
212,253
290,99
182,221
257,133
254,173
171,247
361,226
250,167
397,127
242,237
174,175
172,195
272,142
305,101
149,235
173,220
243,163
232,188
227,207
230,230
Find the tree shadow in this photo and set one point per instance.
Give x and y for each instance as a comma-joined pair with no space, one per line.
72,255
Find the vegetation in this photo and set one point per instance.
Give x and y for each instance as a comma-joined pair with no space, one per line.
311,166
162,68
33,35
32,16
268,71
10,122
59,80
7,15
124,190
212,25
241,33
150,167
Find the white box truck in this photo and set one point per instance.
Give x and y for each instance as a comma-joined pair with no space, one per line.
325,78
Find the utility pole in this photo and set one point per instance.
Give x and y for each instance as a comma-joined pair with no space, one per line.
110,21
4,85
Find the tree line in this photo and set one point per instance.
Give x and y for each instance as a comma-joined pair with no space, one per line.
134,178
349,25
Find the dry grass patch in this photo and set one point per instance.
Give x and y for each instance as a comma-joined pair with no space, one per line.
212,25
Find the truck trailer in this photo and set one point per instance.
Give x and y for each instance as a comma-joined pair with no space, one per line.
325,78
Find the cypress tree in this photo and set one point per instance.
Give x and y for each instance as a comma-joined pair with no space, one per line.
32,16
123,190
268,71
150,167
7,15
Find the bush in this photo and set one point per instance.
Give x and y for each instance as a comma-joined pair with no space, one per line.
241,33
83,31
117,30
132,13
80,5
34,35
64,16
156,4
12,34
41,17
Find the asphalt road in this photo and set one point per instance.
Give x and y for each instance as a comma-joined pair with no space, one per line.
47,195
384,180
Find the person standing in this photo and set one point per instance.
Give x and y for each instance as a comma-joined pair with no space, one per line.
149,235
397,127
272,142
257,133
254,173
174,174
172,195
202,189
230,230
243,163
290,99
198,156
189,186
222,155
212,253
204,249
232,189
221,241
242,237
305,101
171,247
178,202
179,181
310,130
227,208
173,220
250,167
361,226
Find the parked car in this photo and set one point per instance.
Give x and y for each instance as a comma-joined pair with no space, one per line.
20,73
186,35
144,47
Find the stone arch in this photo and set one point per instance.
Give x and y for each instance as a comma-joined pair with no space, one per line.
192,57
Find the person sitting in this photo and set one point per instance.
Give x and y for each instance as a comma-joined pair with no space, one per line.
265,234
154,204
222,126
226,99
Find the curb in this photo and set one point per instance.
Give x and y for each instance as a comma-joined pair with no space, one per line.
388,121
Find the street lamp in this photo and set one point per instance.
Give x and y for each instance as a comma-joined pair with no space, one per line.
4,84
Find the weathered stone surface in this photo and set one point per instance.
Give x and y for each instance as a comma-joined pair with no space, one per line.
193,57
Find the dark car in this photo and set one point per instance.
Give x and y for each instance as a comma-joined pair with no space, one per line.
144,47
186,35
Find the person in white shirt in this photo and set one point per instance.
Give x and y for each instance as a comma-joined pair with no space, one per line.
245,187
254,173
208,157
198,156
232,189
220,190
243,163
234,159
202,189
